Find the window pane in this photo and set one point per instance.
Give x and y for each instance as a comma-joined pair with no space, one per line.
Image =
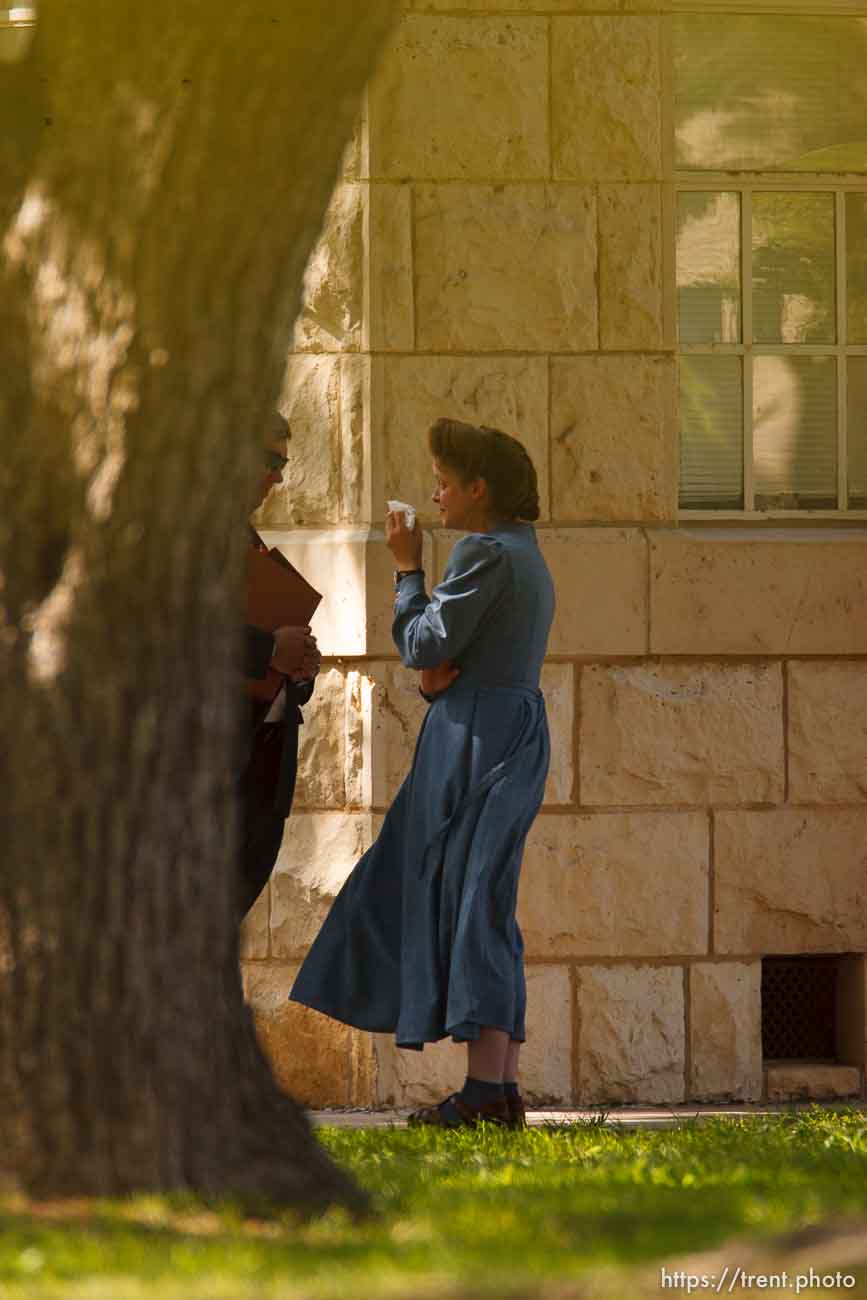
770,92
711,433
793,268
708,268
856,266
857,432
795,433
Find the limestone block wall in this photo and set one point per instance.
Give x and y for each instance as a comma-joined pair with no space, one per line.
499,249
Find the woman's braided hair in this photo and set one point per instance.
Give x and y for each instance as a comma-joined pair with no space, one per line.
477,451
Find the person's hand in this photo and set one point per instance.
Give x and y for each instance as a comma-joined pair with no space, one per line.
292,646
436,680
405,545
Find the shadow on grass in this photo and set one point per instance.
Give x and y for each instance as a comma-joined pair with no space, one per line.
487,1209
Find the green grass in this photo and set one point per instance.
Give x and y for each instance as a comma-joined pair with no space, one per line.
491,1211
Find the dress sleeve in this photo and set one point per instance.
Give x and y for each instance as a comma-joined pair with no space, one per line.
477,577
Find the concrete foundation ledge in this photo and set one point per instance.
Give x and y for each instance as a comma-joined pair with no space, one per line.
627,1117
812,1082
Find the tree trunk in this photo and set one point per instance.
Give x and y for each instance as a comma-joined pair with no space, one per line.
165,169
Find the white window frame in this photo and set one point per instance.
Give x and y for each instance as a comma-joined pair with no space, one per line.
745,184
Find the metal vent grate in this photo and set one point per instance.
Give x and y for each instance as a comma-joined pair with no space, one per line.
799,1003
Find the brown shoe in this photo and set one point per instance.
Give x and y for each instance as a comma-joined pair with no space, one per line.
517,1110
455,1113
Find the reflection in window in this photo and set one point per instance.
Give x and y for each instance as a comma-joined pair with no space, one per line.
857,433
856,266
769,92
708,267
795,432
711,432
793,268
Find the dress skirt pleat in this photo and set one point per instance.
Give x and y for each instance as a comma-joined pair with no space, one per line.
422,940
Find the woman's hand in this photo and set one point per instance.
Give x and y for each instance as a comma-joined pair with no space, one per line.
436,680
404,545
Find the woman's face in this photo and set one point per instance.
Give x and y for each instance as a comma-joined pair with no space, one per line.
459,503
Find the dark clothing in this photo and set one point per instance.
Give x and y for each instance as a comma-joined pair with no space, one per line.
269,771
271,749
261,837
258,649
422,940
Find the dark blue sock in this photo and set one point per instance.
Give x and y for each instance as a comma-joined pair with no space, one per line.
477,1092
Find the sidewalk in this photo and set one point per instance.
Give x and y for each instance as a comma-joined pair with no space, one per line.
626,1117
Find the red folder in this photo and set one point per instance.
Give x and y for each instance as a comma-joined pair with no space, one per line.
277,595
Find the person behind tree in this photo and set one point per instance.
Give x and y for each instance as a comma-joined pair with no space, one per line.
422,940
270,749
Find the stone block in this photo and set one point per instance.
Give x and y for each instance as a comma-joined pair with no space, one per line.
631,1035
390,323
725,1031
606,97
790,881
353,163
613,438
852,1009
322,745
358,769
353,569
541,6
398,711
505,267
545,1066
827,732
318,1061
335,561
255,928
409,1079
396,716
331,303
437,76
557,683
600,584
354,413
318,852
615,885
602,570
310,402
379,580
750,592
681,734
802,1082
630,267
509,393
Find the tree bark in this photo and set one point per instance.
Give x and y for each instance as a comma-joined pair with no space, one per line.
165,170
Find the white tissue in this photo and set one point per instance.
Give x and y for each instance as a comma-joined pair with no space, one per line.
409,512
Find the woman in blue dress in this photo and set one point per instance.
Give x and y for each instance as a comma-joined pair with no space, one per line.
422,940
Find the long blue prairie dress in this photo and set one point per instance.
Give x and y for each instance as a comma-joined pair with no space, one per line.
422,940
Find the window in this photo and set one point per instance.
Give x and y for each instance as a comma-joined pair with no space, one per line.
771,262
16,32
813,1008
